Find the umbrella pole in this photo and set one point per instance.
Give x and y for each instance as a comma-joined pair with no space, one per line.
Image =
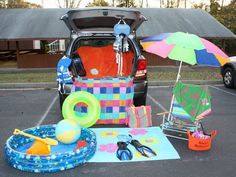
173,96
178,75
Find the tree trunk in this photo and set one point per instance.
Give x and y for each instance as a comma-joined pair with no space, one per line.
42,2
222,3
141,4
59,4
177,4
68,3
77,5
65,3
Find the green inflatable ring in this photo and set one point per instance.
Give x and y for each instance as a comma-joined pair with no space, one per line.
94,108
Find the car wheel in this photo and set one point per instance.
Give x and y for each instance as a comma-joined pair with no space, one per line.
140,101
228,78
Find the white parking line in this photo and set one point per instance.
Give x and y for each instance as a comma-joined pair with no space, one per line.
159,86
156,102
47,111
222,90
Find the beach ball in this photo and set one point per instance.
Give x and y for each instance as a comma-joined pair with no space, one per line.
67,131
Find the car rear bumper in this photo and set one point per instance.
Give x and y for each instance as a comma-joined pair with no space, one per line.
140,89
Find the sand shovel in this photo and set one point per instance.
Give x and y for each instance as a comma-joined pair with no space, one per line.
40,146
48,141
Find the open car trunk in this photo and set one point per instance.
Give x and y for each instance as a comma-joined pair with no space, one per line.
98,56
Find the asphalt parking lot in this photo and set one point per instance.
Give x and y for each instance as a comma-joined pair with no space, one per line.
24,108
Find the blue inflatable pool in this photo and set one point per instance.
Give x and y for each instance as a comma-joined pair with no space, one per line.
62,156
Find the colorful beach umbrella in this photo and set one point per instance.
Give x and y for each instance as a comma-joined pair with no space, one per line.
185,47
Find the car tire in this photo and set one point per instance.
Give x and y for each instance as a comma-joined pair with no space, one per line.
228,78
140,101
61,100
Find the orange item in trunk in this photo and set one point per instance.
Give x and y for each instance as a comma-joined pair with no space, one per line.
100,62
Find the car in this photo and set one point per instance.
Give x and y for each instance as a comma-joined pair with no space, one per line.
228,71
95,27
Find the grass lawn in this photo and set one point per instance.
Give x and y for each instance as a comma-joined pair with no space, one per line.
200,74
160,75
28,77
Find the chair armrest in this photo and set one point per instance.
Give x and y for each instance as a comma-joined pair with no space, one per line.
199,118
162,113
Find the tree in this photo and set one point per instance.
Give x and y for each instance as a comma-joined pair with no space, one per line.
126,3
117,3
98,3
17,4
140,3
224,14
214,7
172,3
68,3
3,4
227,16
113,3
222,3
147,3
201,6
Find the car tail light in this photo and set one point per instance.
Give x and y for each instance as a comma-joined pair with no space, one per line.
142,67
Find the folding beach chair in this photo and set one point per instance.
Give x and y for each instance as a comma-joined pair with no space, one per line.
189,105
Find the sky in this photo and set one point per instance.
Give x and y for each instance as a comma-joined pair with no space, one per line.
151,3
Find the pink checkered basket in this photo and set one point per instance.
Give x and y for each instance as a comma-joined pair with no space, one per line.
115,96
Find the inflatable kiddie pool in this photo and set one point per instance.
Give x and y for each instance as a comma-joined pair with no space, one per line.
62,156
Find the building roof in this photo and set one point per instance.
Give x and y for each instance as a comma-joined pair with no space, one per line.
195,21
32,24
26,24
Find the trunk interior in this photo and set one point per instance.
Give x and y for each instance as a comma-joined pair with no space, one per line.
99,58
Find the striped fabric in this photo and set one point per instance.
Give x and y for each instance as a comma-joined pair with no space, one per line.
179,112
115,96
139,116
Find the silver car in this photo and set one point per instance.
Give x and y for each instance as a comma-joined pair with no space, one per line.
228,72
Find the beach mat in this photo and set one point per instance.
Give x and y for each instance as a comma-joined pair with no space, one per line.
150,136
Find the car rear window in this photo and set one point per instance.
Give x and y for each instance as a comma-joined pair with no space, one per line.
94,42
98,22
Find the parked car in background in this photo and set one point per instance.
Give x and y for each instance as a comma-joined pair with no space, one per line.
93,27
228,72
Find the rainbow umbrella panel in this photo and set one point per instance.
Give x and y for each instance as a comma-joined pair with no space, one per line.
185,47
